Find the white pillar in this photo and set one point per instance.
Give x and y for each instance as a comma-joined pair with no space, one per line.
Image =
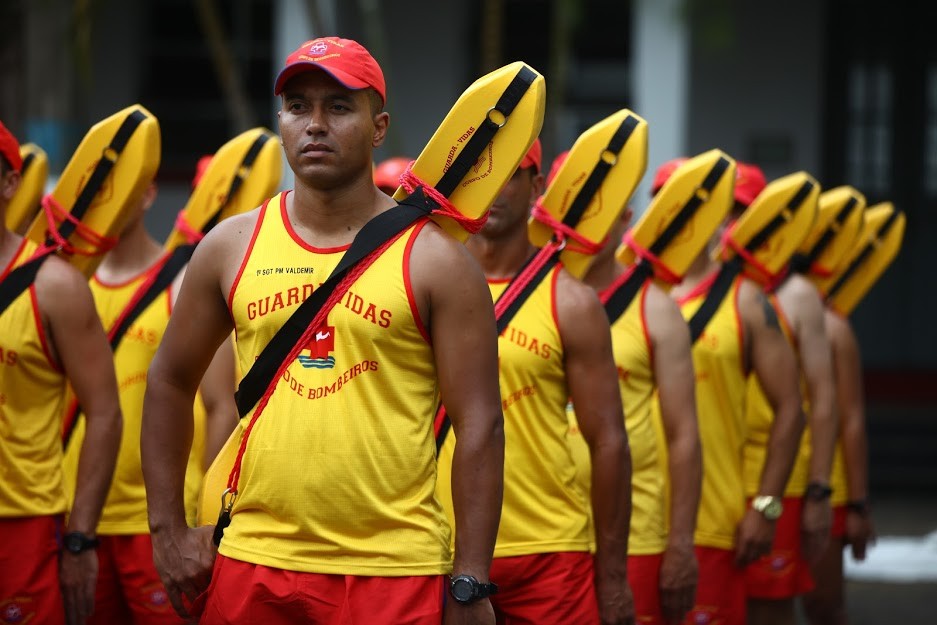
661,84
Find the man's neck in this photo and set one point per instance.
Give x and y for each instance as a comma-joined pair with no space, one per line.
701,268
135,252
501,257
333,217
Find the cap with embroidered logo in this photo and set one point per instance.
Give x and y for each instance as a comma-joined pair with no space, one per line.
345,60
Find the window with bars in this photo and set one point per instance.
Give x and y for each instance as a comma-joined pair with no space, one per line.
869,128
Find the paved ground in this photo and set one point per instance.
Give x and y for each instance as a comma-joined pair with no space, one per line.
883,603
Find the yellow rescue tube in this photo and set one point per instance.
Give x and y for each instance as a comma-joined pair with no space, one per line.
23,207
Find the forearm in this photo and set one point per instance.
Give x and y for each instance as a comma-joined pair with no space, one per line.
165,443
686,471
477,491
823,433
97,458
783,442
855,456
611,504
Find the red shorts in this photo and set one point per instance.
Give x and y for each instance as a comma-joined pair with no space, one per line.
251,593
545,589
29,571
838,529
129,589
784,573
720,595
644,578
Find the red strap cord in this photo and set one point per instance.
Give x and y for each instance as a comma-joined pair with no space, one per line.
192,236
581,243
55,215
410,181
314,326
661,270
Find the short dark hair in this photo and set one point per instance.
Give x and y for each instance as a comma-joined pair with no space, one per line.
5,165
377,104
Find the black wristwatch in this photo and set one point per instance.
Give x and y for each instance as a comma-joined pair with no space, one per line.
76,542
858,506
466,589
817,491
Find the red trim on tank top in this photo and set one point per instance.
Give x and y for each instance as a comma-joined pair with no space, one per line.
247,255
414,309
744,365
156,266
498,280
285,218
647,333
14,258
700,289
553,311
40,330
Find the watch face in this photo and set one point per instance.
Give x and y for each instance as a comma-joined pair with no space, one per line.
773,510
462,589
73,543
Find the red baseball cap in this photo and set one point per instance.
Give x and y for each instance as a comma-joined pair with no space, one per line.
387,173
344,60
200,168
533,157
10,148
664,172
555,167
749,182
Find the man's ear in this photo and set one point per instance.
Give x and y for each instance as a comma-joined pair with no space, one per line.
538,182
381,123
9,183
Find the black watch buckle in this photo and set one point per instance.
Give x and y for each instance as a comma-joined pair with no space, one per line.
76,542
465,589
817,491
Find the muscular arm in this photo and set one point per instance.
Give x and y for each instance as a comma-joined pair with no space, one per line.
460,316
81,346
803,301
221,413
673,372
851,405
773,361
198,326
593,386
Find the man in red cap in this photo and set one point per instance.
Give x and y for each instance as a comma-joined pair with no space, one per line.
742,337
775,579
50,335
556,347
334,518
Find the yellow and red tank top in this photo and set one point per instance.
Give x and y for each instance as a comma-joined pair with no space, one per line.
32,396
544,510
339,472
124,511
759,417
838,477
633,353
721,382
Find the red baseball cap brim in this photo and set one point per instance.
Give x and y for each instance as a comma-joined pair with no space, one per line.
301,67
534,156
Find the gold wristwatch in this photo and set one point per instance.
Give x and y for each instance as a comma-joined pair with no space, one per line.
769,506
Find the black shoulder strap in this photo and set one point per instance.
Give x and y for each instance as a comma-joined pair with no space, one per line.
164,278
241,174
621,298
370,237
859,261
717,293
18,280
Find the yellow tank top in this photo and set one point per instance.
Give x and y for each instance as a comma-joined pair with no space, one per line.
720,405
340,470
838,477
634,360
32,394
544,511
124,510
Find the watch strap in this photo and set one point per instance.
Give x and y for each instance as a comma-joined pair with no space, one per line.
817,491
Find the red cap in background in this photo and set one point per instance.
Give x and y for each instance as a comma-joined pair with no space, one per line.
10,148
387,173
533,157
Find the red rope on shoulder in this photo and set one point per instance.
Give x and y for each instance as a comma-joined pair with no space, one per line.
581,243
192,236
410,181
661,270
56,214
